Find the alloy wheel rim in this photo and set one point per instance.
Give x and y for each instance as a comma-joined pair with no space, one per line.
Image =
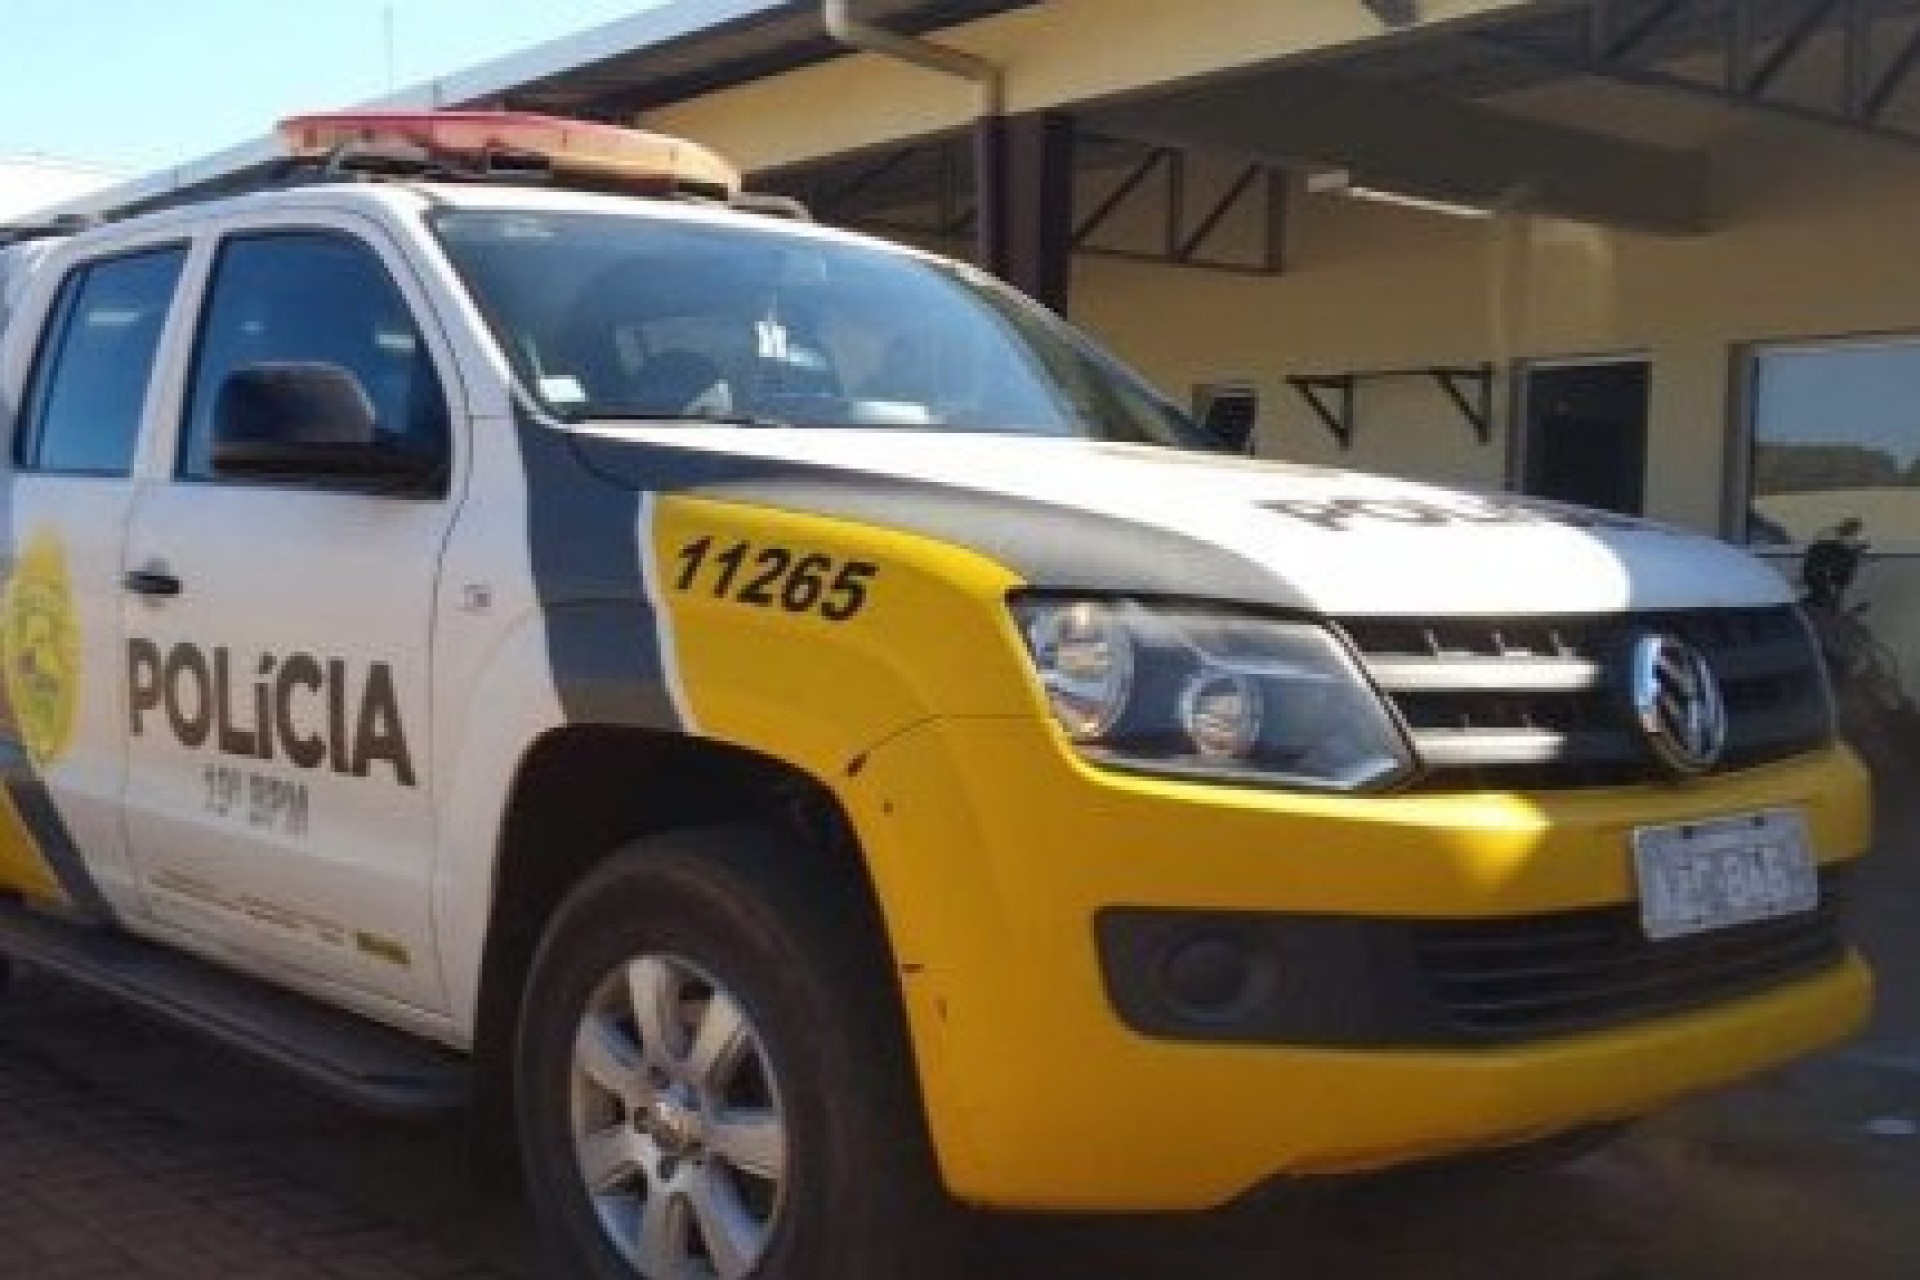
678,1132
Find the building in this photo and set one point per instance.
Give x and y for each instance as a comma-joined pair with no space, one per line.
1650,254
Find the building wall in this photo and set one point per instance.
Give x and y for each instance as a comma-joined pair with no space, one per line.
1817,242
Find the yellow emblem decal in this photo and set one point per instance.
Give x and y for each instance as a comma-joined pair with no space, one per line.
40,645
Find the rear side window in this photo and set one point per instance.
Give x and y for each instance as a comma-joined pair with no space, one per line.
96,361
314,298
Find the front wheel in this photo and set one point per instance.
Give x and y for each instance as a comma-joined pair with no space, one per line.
713,1080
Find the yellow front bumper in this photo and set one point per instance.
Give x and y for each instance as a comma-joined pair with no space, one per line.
993,849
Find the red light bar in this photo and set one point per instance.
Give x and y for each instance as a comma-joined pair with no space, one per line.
579,147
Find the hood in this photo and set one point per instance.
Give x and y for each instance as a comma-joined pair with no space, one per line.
1091,515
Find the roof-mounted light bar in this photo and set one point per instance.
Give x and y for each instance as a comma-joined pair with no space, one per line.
485,143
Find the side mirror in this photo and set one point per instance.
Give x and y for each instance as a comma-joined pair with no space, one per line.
1229,412
297,421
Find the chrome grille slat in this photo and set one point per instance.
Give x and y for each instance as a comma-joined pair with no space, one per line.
1543,702
1475,675
1462,749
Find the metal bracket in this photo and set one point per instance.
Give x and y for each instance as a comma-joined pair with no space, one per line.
1394,13
1471,390
1469,387
1338,419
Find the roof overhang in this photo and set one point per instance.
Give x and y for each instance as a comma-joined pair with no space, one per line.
676,50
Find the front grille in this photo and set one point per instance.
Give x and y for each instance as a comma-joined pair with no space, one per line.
1509,980
1545,703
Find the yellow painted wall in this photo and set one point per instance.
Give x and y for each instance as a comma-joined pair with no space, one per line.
1818,242
862,101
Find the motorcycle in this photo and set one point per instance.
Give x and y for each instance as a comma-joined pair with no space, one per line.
1877,714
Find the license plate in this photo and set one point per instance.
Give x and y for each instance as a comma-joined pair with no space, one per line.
1702,876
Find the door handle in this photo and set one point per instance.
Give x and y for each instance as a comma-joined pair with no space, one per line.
151,582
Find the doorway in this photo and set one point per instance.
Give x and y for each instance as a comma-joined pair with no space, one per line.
1584,432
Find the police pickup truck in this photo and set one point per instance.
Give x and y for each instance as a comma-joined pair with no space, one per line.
496,619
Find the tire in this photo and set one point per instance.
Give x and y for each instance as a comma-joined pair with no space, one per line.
798,1151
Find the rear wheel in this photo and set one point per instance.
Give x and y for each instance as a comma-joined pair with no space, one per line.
713,1082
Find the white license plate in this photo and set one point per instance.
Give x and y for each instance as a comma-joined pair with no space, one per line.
1730,871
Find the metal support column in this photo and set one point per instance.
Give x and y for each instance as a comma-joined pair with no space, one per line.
1026,188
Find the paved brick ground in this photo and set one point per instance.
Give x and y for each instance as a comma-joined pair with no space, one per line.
130,1152
93,1184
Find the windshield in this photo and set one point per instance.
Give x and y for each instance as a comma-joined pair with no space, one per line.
617,316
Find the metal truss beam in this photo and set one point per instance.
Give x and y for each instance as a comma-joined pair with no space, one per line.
1103,213
1756,47
1875,104
1185,239
1628,42
1210,223
1790,46
924,191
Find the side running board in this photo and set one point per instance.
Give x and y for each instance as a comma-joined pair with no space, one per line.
362,1062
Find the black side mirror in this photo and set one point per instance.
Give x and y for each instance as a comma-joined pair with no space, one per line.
298,421
1229,412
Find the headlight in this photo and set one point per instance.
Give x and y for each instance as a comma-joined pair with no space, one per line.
1190,691
1086,663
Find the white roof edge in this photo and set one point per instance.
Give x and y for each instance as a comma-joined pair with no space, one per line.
674,20
57,164
671,21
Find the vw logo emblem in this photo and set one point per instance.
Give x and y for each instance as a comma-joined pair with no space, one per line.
1677,700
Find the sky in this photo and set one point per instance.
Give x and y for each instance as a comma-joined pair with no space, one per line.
137,85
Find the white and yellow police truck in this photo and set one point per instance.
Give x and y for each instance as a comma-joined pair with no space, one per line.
495,614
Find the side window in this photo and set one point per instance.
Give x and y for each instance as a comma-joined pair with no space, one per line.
313,298
96,361
1835,433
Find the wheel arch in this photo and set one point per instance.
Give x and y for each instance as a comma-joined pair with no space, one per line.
580,794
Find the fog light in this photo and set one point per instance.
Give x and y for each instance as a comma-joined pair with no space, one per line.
1209,977
1221,711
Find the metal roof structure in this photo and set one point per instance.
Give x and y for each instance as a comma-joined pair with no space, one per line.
678,50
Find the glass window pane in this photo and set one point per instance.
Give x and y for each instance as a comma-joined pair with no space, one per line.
1836,435
314,298
86,410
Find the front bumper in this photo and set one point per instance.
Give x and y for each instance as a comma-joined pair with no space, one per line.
995,851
